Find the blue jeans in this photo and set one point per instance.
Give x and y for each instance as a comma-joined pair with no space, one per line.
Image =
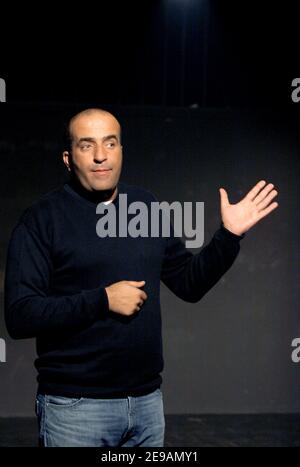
129,421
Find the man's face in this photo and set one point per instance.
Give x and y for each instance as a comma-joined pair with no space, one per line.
96,157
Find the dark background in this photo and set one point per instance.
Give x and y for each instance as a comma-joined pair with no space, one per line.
203,92
157,52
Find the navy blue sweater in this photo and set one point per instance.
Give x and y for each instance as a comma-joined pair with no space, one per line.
56,273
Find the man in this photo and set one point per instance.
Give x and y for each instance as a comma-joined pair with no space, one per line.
93,303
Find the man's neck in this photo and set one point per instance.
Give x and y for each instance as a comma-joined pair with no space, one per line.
96,196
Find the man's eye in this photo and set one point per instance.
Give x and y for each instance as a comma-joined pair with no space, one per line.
85,146
111,144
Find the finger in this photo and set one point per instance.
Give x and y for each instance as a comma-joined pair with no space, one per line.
224,197
255,190
143,296
261,196
267,211
265,202
136,283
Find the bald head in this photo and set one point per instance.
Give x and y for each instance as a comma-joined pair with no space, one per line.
87,113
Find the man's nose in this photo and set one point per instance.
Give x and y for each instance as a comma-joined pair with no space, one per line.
99,154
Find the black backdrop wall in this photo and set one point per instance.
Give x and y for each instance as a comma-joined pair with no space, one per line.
231,352
203,91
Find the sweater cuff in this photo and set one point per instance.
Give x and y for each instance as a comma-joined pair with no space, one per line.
228,234
97,301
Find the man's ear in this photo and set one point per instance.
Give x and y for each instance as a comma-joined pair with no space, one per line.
67,160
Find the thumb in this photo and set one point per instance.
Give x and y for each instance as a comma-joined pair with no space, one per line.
224,197
136,283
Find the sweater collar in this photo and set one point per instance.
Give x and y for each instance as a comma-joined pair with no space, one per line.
75,188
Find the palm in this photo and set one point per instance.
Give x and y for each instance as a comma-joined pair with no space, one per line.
240,217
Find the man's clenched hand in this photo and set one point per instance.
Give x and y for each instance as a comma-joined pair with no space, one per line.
125,297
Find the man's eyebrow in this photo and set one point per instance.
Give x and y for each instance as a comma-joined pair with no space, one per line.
93,140
86,138
110,137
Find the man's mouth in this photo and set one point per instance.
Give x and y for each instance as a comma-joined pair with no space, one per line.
101,171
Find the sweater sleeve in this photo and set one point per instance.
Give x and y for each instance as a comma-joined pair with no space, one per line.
190,276
30,310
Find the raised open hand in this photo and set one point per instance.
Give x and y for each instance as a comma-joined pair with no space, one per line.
240,217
